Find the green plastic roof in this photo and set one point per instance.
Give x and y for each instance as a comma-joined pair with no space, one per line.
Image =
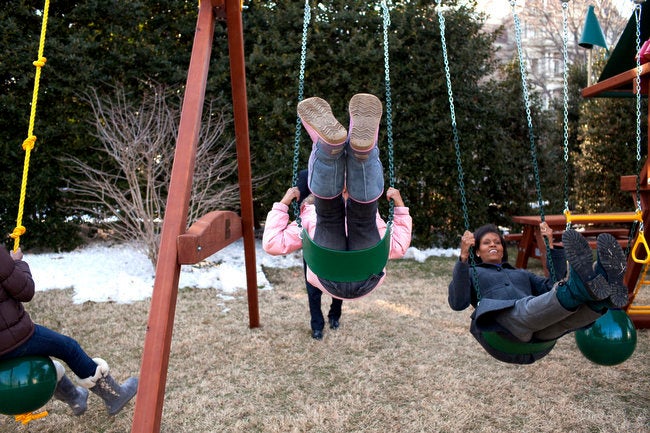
622,57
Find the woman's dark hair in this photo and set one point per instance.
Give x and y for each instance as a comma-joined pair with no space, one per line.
482,231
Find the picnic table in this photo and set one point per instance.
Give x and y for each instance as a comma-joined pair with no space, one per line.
531,243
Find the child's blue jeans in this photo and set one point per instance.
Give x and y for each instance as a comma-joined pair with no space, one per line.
45,342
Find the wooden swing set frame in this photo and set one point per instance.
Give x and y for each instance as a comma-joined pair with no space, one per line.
636,269
211,232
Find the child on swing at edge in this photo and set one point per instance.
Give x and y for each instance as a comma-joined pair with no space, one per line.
20,336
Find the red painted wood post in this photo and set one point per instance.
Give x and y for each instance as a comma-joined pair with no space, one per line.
155,360
157,344
240,107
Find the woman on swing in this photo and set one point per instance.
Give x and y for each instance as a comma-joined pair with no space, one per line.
526,306
346,180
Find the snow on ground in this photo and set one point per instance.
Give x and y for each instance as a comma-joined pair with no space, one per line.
122,273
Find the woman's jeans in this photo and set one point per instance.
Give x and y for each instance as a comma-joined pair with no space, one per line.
45,342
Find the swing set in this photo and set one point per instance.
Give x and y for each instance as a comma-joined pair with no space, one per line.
625,76
215,230
180,245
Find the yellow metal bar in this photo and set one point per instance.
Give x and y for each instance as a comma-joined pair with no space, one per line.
616,217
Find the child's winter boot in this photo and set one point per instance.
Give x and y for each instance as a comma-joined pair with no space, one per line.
365,115
74,396
364,172
115,396
326,162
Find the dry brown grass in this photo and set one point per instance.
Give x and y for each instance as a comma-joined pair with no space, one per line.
401,361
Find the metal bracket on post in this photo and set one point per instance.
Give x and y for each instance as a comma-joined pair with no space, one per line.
219,9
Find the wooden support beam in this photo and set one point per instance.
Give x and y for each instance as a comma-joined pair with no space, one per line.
617,83
157,344
240,108
211,233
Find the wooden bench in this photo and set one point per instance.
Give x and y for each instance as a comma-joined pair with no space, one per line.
530,243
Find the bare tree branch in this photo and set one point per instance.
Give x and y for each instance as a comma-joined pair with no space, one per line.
128,194
542,37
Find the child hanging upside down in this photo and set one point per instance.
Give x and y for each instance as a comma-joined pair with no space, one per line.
346,180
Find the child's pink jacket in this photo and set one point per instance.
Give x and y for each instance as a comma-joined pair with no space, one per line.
281,237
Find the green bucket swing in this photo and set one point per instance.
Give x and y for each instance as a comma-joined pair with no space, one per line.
497,341
336,265
511,347
26,384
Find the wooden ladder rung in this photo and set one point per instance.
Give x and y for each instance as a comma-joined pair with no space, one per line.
640,309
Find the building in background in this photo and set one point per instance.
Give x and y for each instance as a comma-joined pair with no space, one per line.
541,24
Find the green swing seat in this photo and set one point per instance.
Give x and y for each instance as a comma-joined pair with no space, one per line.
26,384
346,266
511,347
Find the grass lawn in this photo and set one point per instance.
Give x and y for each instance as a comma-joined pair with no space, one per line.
402,361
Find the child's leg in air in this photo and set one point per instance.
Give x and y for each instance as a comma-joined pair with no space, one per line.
364,172
326,171
330,223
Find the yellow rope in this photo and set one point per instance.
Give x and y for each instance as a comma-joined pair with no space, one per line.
26,418
30,141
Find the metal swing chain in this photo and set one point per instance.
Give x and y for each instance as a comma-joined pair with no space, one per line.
389,112
637,225
526,96
637,14
389,109
565,104
529,119
456,140
301,91
454,127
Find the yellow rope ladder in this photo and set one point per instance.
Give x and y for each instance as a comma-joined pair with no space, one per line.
30,141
